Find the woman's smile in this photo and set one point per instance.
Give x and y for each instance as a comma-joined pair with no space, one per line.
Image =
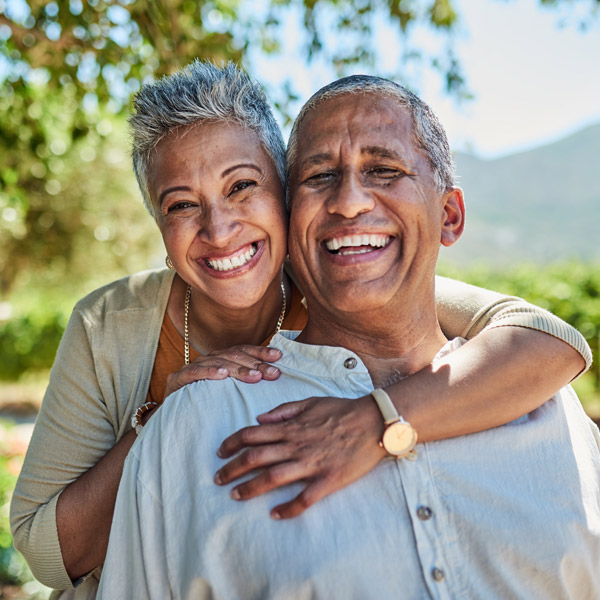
233,263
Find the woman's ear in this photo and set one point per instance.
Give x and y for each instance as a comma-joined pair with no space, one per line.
453,216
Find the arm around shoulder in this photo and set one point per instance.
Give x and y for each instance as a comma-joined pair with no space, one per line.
466,310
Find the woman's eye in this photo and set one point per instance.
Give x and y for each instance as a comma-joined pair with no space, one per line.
242,185
176,206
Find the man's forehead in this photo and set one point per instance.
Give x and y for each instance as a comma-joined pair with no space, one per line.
379,124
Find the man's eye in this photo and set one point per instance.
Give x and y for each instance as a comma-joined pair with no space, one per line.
320,178
385,172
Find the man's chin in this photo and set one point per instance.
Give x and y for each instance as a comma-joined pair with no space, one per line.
356,298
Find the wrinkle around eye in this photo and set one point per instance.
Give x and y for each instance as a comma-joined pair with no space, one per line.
178,206
319,178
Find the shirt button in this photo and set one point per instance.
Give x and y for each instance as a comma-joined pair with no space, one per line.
424,513
350,363
438,574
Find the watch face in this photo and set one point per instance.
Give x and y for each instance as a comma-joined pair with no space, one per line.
399,438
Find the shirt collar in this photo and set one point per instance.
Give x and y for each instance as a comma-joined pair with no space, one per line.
325,361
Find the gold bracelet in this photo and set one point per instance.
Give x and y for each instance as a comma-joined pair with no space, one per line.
136,419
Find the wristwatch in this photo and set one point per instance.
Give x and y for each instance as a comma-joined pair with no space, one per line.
399,437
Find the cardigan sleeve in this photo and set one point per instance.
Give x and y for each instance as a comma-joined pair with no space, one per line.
72,432
465,310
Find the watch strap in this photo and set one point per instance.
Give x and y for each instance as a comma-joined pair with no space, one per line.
386,406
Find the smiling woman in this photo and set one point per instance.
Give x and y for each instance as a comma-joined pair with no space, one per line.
209,159
217,200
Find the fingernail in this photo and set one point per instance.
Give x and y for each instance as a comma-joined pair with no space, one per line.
275,515
253,372
220,453
272,370
235,494
222,371
218,479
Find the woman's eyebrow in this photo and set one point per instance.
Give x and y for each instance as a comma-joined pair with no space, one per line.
176,188
241,166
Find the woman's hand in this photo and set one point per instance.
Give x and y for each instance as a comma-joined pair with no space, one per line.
328,442
246,363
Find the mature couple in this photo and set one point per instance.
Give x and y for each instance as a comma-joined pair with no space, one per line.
511,511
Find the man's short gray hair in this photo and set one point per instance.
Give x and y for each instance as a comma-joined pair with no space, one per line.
428,131
200,92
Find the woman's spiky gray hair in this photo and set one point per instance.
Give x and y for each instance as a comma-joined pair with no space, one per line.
200,92
428,131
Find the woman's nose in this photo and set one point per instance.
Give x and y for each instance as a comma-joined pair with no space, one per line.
219,226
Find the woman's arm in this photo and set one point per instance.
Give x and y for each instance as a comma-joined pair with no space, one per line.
85,508
465,310
498,376
73,432
64,500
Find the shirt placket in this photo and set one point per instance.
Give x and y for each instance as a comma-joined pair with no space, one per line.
424,511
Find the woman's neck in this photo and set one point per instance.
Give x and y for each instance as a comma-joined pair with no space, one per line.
215,327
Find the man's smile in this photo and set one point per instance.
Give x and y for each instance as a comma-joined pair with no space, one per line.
356,243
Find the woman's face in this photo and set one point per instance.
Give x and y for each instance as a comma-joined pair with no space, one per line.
220,210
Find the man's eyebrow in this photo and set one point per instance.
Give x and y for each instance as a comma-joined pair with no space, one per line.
380,152
176,188
316,159
241,166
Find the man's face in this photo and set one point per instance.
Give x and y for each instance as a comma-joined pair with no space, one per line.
366,218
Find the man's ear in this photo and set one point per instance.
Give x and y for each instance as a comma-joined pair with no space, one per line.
453,216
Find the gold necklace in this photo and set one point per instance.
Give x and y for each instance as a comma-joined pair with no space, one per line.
186,312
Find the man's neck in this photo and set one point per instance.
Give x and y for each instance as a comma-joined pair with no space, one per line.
392,346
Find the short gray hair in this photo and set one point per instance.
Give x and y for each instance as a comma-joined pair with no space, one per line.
428,131
200,92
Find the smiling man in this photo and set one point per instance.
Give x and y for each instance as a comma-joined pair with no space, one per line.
513,512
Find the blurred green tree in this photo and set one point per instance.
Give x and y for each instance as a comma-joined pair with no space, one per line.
67,70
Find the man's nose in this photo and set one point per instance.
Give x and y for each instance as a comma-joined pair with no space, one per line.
219,226
350,198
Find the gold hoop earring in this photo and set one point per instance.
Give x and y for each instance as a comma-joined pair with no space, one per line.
169,263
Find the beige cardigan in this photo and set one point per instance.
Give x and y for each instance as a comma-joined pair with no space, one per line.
101,375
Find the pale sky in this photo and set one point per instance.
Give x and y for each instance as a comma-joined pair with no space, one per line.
533,81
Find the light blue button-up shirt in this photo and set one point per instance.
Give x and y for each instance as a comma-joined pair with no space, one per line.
513,512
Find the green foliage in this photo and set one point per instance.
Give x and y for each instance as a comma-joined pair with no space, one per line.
29,343
12,566
70,68
570,290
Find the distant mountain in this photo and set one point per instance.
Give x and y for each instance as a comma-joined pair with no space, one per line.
541,205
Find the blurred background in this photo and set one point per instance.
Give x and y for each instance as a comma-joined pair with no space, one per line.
515,82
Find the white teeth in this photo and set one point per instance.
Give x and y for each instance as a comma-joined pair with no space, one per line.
375,240
347,252
234,262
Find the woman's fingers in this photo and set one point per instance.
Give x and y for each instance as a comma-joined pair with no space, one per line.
274,477
250,436
251,459
329,443
311,494
246,363
283,412
194,372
